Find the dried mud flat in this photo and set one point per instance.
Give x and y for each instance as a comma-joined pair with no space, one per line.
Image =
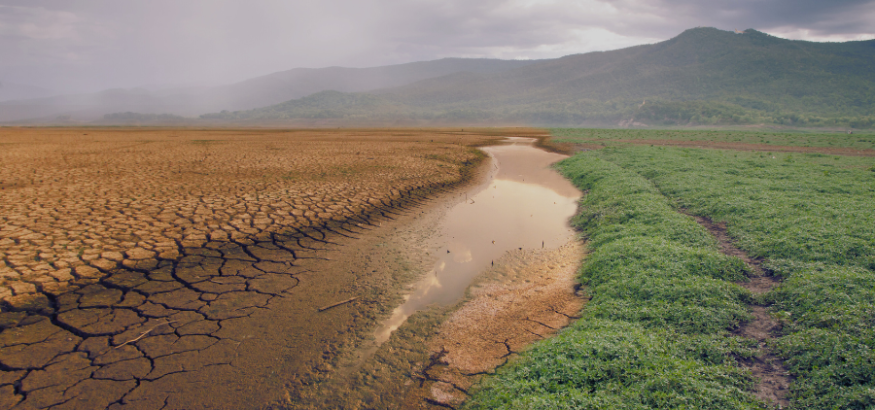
176,268
527,297
526,294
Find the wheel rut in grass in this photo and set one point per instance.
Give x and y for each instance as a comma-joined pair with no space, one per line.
773,379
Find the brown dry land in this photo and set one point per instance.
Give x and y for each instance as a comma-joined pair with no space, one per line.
526,297
182,268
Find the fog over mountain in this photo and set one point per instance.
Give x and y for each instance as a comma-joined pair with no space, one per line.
84,59
257,92
702,76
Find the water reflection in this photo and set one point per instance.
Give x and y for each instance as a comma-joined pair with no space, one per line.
524,205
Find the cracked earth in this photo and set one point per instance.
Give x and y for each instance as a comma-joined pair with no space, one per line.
162,268
528,296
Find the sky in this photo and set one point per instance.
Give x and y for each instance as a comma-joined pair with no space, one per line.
91,45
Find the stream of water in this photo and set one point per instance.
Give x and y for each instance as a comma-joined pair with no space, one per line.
524,204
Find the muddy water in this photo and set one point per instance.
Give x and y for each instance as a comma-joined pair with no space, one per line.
523,205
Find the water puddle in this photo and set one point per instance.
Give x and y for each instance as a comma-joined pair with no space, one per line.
524,205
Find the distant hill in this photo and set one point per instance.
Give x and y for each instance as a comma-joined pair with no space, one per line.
702,76
257,92
133,118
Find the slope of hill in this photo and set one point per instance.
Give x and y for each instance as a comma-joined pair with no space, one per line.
257,92
704,75
301,82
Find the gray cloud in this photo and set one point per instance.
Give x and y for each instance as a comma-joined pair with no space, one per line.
83,45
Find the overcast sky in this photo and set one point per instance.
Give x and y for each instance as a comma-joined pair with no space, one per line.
88,45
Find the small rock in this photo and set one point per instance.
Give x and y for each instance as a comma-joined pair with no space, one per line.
139,253
21,288
85,271
113,256
104,264
62,275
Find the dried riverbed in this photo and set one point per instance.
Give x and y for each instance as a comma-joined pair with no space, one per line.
507,241
235,322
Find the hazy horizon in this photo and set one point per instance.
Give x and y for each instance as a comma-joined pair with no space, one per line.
93,45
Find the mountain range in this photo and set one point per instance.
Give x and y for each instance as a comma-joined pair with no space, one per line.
256,92
702,76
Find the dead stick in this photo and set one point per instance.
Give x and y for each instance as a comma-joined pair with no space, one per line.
337,304
142,335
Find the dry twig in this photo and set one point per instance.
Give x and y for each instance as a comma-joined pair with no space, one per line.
142,335
337,304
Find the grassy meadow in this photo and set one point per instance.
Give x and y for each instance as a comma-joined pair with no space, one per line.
820,139
657,332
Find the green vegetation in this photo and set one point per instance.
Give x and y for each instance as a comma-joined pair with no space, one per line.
137,118
813,218
654,334
704,76
783,138
830,341
807,208
322,105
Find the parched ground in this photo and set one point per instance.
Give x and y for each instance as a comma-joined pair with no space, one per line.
527,297
79,203
181,268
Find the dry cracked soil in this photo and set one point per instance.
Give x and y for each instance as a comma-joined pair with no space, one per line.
183,269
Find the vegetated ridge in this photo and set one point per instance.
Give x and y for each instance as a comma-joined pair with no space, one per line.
702,76
256,92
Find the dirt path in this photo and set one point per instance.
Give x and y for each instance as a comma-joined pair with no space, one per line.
773,379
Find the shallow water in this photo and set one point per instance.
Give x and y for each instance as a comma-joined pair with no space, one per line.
524,204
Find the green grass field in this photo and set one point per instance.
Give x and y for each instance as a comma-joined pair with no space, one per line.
656,333
859,140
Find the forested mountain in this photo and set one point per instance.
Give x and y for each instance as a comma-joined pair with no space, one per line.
702,76
257,92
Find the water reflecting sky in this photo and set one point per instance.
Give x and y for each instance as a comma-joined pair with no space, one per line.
526,204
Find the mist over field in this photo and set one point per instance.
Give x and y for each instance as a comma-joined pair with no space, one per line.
528,62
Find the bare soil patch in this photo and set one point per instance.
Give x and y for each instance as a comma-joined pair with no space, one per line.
179,268
525,294
526,297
